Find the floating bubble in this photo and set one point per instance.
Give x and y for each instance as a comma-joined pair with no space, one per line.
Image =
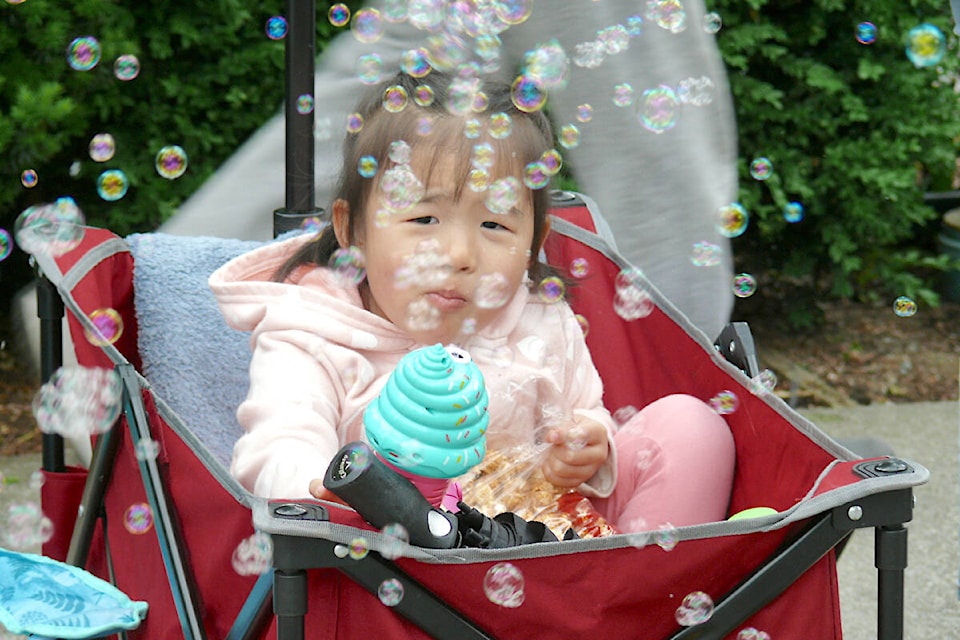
547,64
78,401
503,195
394,99
126,67
724,403
6,244
171,162
744,285
395,540
146,449
400,189
426,15
793,212
304,104
696,608
584,113
631,301
492,291
751,633
761,169
415,62
763,382
74,169
50,229
354,123
400,152
657,109
866,33
503,584
500,125
589,55
29,178
552,161
461,94
102,147
427,267
478,180
276,27
347,263
666,537
339,14
422,316
624,414
904,307
369,68
584,324
253,556
697,92
623,94
528,94
732,220
615,39
569,136
472,129
112,185
513,12
390,592
483,155
926,45
579,268
83,53
359,548
423,95
108,327
367,25
26,526
705,254
138,518
712,22
367,166
668,14
36,481
536,175
551,289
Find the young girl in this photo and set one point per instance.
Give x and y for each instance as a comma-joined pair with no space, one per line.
434,238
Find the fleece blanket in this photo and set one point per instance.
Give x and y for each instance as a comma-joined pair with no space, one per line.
195,362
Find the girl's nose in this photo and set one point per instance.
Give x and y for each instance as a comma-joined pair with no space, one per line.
462,250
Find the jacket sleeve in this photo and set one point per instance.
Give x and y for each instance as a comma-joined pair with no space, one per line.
583,386
290,417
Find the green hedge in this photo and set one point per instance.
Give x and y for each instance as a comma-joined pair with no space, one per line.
856,133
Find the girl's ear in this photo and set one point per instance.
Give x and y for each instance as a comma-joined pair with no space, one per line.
341,222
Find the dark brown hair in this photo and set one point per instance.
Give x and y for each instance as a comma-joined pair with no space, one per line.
529,138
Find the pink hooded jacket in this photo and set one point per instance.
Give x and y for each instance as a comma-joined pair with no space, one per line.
319,358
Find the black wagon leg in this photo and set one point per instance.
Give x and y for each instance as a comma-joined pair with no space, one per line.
890,558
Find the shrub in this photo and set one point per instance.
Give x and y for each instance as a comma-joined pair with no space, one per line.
853,131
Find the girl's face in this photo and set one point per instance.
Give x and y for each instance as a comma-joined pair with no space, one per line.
444,268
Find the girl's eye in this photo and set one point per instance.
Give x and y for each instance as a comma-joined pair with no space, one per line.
490,224
425,220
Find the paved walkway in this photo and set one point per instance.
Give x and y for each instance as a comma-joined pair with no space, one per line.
926,433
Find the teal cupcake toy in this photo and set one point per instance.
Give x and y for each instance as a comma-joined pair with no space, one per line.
431,417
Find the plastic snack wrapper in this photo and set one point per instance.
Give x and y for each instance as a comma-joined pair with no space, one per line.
511,480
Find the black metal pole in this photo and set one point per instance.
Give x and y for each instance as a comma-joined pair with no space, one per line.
890,558
298,104
50,311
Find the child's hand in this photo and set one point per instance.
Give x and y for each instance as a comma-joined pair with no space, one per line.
577,452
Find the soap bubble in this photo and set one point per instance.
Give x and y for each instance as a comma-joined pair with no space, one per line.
472,129
126,67
6,244
29,178
339,14
500,125
926,45
492,291
138,518
78,401
705,254
588,55
513,12
528,94
904,307
696,608
112,185
623,94
667,536
732,220
744,285
395,540
276,27
400,189
697,92
369,68
390,592
658,109
359,548
764,382
584,113
483,155
26,526
503,195
866,33
400,152
724,403
367,25
146,449
102,147
668,14
793,212
547,64
354,123
304,104
569,136
579,268
367,166
395,99
615,39
624,414
503,584
761,169
750,633
51,229
478,180
347,263
427,267
415,62
536,175
423,95
36,481
171,162
109,327
253,556
712,22
551,289
83,53
631,301
551,161
584,324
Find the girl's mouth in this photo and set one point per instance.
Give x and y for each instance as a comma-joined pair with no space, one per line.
446,300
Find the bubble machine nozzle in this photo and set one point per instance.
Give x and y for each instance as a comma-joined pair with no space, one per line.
381,496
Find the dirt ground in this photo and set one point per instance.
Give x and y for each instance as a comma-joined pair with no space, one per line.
862,354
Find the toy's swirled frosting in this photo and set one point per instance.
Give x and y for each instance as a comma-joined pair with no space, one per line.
431,416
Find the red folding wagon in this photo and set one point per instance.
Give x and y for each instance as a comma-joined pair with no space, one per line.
184,372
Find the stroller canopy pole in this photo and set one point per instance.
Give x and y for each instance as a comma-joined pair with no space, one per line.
298,104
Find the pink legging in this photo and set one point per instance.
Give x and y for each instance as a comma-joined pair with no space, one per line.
675,463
